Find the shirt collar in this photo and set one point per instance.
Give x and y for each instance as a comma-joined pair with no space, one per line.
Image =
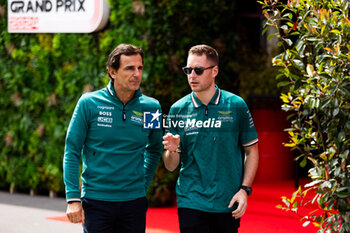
111,91
214,100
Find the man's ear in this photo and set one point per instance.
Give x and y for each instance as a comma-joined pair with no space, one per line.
112,72
215,71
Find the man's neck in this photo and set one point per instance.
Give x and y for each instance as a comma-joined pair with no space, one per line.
206,95
124,96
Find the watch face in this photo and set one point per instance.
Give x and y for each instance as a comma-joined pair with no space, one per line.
247,189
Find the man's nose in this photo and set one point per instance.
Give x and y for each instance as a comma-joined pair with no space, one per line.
137,72
193,73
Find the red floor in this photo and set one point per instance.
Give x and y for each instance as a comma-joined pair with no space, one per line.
261,216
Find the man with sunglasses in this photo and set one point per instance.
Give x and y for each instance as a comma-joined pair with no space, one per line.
119,152
208,130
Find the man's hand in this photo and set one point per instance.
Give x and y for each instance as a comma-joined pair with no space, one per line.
171,157
171,142
241,198
75,212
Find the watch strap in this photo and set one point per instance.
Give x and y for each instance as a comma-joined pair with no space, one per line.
247,189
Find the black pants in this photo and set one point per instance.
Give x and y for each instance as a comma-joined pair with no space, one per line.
115,217
196,221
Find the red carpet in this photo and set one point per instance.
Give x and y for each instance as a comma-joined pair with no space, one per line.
261,216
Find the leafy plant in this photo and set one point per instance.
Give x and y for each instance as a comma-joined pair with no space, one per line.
315,65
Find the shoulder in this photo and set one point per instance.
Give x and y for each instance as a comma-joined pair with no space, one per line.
149,101
91,96
183,102
230,98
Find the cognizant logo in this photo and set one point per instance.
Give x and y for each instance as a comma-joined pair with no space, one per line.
192,123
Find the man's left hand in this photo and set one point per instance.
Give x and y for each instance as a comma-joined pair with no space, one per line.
241,198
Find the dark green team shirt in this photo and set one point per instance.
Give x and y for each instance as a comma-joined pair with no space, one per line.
119,155
212,137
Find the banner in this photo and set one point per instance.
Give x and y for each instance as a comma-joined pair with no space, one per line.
57,16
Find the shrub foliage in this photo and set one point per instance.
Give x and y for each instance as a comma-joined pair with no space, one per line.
315,66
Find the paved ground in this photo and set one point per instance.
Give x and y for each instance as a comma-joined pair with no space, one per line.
21,213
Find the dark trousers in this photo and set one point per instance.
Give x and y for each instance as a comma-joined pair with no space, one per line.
196,221
115,217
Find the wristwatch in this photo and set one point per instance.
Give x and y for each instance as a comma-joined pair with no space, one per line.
247,189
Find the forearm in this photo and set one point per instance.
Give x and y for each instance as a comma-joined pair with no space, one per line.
152,154
171,159
71,176
251,164
150,163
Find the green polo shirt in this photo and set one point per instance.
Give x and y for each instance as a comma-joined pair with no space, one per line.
211,140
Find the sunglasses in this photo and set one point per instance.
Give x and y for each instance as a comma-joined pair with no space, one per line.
198,70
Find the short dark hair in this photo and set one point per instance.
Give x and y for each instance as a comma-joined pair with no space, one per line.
209,52
122,49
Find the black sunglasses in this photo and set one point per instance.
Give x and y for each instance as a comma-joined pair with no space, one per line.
198,70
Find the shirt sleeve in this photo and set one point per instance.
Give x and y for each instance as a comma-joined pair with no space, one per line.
75,138
248,135
152,154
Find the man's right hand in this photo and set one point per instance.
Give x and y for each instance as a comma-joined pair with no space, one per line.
171,142
171,157
75,212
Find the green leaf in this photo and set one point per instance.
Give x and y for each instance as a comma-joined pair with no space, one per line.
271,36
303,162
279,76
264,30
284,27
312,39
310,70
299,64
335,112
288,41
305,224
301,50
286,202
297,84
283,83
289,15
335,31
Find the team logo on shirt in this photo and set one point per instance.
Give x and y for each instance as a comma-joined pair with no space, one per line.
151,120
251,122
140,114
104,118
225,112
225,116
137,117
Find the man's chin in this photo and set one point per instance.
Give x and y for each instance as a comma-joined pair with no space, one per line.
195,88
134,87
